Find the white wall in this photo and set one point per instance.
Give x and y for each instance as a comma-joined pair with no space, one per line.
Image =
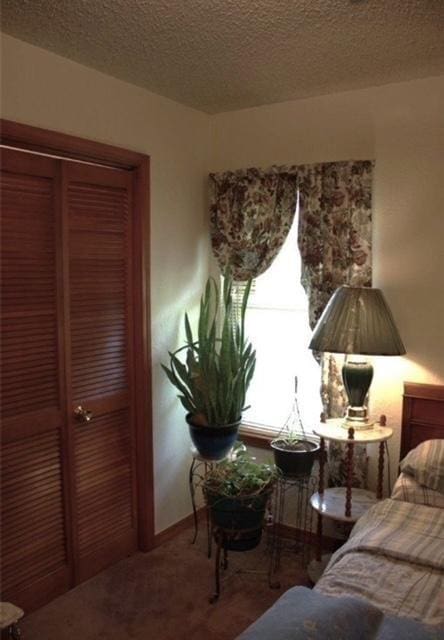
45,90
401,126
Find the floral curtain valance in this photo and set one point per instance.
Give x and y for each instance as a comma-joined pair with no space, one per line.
252,210
251,213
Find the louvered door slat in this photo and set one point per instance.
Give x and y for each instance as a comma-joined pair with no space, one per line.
25,500
98,204
28,237
21,543
45,566
43,507
34,535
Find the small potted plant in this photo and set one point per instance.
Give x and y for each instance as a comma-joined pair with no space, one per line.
212,373
237,491
294,453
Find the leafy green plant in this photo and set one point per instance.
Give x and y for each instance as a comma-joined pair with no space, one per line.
212,373
293,440
240,476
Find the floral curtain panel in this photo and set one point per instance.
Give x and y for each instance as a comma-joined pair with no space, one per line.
334,229
251,213
335,218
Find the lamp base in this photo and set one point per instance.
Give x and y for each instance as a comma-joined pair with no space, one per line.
357,417
357,374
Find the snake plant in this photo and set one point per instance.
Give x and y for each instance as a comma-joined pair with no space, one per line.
212,372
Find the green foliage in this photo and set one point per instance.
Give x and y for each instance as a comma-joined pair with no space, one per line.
290,438
213,373
240,476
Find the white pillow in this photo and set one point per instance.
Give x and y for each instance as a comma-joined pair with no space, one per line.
425,463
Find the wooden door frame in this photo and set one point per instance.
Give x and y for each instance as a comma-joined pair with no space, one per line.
29,138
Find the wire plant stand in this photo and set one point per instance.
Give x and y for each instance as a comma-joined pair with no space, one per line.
292,513
223,537
225,531
292,518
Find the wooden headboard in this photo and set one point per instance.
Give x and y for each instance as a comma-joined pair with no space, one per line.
422,414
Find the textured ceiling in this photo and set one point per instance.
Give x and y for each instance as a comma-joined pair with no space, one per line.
219,55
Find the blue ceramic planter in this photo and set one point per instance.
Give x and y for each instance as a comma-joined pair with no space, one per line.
213,443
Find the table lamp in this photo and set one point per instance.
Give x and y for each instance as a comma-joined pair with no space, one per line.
357,321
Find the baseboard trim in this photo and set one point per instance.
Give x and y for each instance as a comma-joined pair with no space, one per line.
171,532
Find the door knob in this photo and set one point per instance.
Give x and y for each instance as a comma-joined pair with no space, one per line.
83,415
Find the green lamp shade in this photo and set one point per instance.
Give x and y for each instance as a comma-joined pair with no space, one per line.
357,320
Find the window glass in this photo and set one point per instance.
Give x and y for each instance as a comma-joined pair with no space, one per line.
277,325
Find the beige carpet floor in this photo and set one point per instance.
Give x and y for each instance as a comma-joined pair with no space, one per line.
164,595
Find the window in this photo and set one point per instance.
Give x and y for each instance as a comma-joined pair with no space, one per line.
277,325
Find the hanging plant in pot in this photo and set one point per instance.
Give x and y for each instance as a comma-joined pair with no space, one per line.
294,453
237,491
212,373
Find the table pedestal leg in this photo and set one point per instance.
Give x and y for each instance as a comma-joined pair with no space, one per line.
348,490
321,491
319,539
380,470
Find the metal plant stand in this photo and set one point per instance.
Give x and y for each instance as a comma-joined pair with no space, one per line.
293,493
223,537
199,469
228,539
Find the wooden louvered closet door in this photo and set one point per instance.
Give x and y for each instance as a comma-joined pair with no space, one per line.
68,485
97,204
35,534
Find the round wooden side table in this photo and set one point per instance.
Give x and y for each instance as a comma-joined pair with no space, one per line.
347,504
